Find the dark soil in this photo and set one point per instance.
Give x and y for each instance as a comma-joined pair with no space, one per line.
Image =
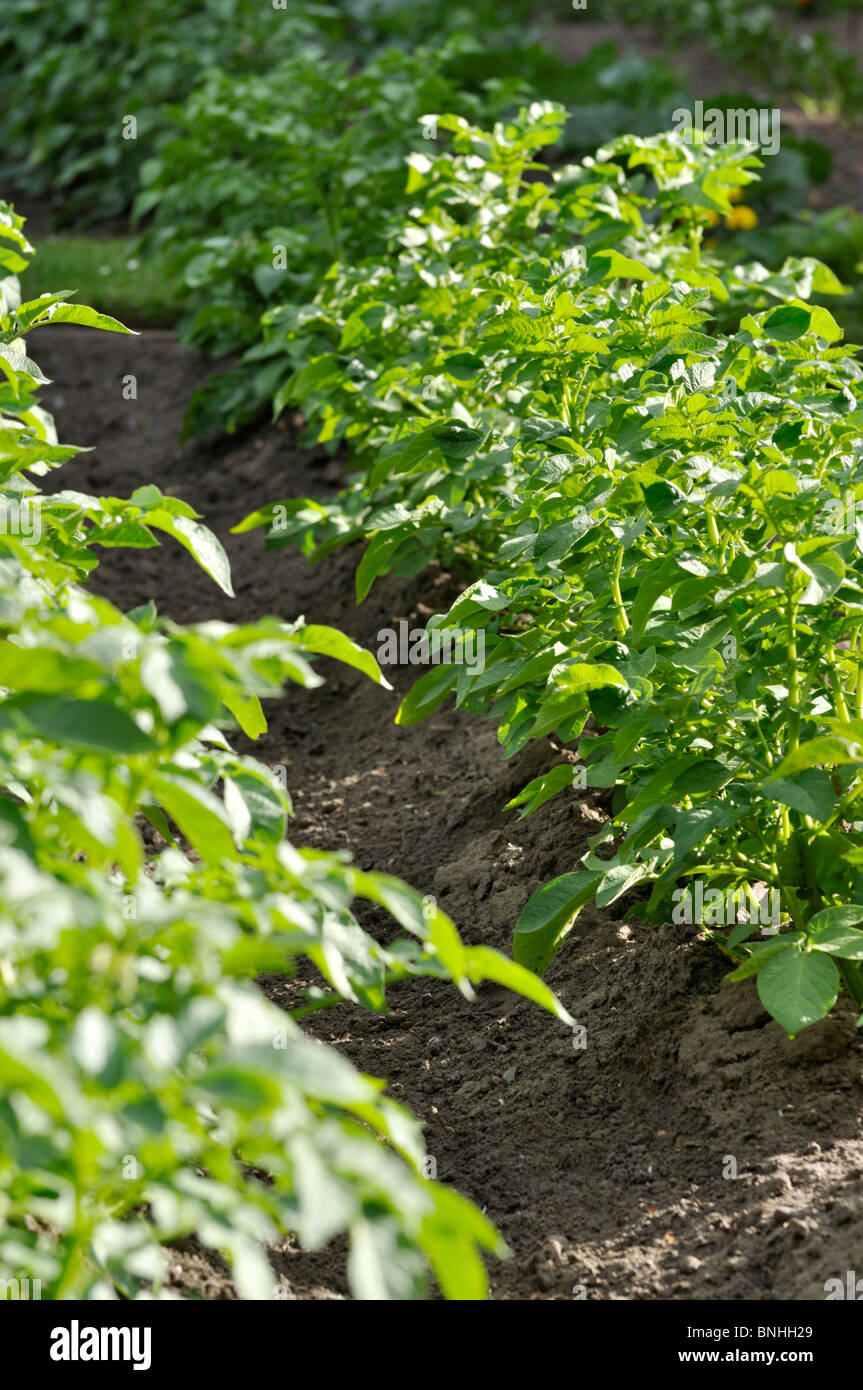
608,1169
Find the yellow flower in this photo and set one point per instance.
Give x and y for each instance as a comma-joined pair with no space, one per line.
742,219
712,218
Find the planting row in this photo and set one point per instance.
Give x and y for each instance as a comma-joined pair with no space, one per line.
657,522
148,1090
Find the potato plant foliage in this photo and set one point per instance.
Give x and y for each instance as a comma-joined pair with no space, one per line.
148,1089
656,520
263,181
88,97
73,78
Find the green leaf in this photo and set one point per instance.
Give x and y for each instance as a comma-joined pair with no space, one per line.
839,941
482,963
199,541
703,777
548,917
611,265
824,324
267,805
846,915
426,694
199,814
247,711
42,669
291,506
313,377
328,641
14,830
763,952
616,881
87,317
810,792
96,725
379,1267
450,1236
829,748
376,558
463,365
542,789
585,675
833,930
456,440
787,323
798,988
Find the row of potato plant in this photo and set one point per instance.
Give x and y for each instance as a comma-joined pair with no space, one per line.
148,1089
267,143
88,99
86,95
656,521
265,180
262,182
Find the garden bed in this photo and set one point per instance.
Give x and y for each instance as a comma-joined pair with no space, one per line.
607,1169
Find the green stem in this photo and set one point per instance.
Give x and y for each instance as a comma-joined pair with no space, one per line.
853,979
621,621
713,531
799,916
858,692
794,675
839,698
568,406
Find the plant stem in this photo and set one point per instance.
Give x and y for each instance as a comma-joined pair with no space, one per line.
794,675
713,531
853,979
621,621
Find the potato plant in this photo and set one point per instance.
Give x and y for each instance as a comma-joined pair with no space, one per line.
382,340
148,1089
260,182
265,181
73,79
657,522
